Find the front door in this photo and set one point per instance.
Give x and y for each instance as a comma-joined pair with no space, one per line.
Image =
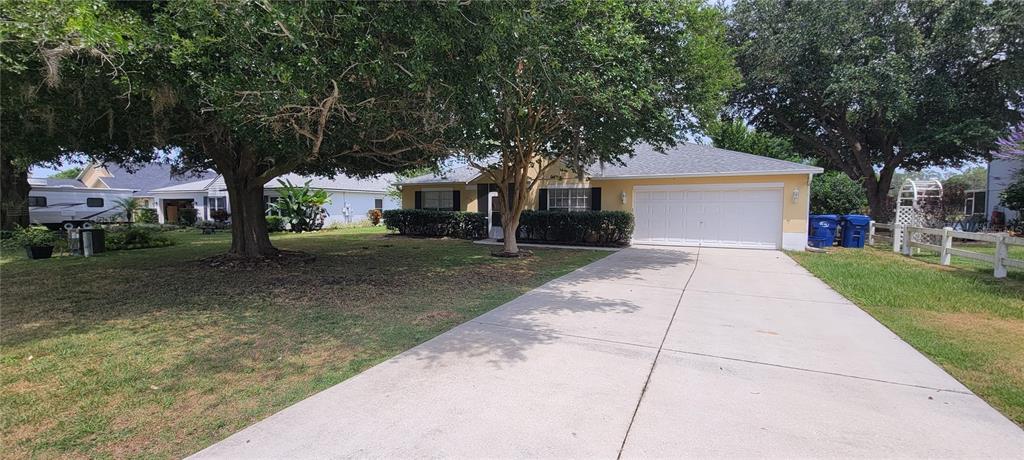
494,216
171,214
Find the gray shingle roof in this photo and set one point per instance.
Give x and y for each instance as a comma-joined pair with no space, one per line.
146,178
52,182
339,182
459,174
685,159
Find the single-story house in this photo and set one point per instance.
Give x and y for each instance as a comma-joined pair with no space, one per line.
350,198
94,192
691,195
92,195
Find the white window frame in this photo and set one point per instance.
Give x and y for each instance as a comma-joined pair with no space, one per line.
569,199
437,200
217,203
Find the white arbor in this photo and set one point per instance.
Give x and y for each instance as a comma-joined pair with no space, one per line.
914,197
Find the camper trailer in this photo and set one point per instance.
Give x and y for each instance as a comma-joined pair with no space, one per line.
53,202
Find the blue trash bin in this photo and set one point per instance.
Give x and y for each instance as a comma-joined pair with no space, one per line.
855,230
822,231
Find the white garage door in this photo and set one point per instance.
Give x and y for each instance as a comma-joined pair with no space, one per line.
712,215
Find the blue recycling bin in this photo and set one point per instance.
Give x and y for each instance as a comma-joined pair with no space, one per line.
822,231
855,230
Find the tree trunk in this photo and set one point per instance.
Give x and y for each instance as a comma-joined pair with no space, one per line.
249,235
877,190
14,189
509,226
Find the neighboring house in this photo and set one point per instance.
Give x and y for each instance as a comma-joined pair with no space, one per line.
693,195
92,195
1001,173
350,198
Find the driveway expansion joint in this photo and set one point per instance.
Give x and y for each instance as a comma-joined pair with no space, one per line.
803,369
654,363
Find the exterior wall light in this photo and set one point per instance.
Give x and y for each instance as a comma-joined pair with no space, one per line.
622,196
796,195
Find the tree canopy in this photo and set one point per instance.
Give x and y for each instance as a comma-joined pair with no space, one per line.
736,135
872,86
253,90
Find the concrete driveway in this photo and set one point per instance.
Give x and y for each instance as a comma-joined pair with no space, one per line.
650,352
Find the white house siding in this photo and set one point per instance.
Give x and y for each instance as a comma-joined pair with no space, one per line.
1001,174
347,207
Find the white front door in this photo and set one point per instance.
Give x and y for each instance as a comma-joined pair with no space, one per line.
494,216
713,215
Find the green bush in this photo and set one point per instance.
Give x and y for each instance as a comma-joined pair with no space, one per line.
592,228
35,235
134,237
188,217
275,224
422,222
835,193
146,216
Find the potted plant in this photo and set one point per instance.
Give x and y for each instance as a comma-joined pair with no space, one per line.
37,240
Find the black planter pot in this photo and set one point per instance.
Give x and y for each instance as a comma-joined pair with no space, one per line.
39,252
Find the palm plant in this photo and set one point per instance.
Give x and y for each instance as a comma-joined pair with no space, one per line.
128,207
301,206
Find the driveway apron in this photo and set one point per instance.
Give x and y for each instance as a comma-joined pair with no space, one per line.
649,352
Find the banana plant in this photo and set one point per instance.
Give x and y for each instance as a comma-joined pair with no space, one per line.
301,206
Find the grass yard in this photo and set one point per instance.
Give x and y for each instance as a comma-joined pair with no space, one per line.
961,317
148,353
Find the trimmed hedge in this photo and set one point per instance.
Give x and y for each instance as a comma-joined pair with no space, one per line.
422,222
589,228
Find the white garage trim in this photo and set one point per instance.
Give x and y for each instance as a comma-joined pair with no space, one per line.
687,187
744,215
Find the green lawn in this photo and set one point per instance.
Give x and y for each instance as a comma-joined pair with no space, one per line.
961,317
148,353
1015,252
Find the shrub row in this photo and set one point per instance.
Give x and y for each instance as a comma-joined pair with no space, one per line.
592,228
422,222
134,237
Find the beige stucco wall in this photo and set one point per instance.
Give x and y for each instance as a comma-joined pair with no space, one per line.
467,194
794,214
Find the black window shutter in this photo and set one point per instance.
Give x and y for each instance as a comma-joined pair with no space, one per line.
595,199
542,201
206,207
418,200
481,198
456,200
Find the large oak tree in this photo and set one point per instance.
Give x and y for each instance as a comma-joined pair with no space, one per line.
255,90
872,86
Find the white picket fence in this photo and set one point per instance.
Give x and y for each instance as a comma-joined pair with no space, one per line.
905,233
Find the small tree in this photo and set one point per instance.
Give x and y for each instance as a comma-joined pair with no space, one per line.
557,85
301,207
128,206
835,193
736,135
